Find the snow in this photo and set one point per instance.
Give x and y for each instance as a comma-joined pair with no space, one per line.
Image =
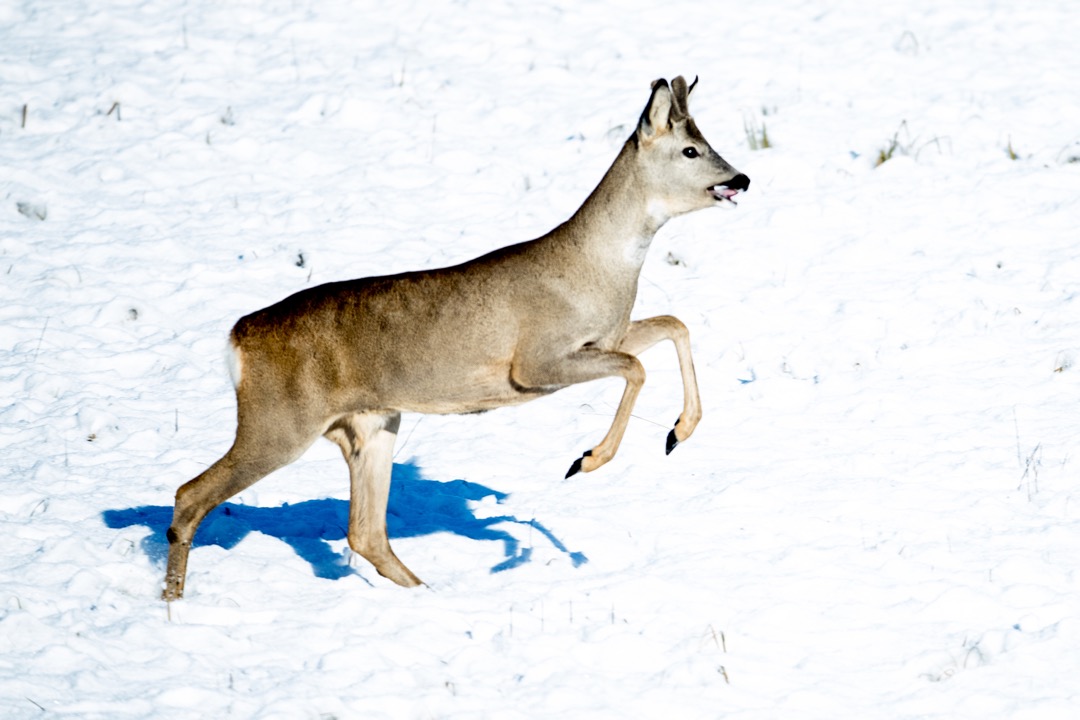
876,517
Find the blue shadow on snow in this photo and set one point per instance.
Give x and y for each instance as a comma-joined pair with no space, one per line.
417,507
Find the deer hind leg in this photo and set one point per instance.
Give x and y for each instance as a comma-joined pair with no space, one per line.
641,336
367,441
253,456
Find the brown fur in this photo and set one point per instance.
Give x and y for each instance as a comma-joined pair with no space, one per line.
344,360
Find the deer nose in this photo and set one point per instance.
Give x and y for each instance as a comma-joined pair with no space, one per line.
739,182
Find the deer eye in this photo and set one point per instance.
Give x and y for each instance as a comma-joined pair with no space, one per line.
690,152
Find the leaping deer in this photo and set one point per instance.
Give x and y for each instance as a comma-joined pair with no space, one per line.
343,360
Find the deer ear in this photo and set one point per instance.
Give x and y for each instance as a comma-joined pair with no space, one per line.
656,117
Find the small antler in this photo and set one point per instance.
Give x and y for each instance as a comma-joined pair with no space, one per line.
679,93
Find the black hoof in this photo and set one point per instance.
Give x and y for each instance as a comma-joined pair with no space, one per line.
576,467
672,441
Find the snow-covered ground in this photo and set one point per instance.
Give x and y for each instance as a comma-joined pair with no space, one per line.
877,518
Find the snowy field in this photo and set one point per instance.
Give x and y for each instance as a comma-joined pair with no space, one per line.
878,516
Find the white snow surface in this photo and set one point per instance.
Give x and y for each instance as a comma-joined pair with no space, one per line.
878,516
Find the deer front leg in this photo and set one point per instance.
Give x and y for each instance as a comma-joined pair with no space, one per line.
367,441
589,363
629,367
641,336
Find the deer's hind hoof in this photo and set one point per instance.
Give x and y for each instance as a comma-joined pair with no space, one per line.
172,592
576,467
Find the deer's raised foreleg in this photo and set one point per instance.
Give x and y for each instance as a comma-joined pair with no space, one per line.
583,365
641,336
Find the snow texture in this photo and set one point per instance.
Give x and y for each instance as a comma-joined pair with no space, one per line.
877,517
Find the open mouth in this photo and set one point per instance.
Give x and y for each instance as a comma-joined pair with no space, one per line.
723,193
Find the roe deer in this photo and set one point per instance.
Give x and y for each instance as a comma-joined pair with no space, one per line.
343,360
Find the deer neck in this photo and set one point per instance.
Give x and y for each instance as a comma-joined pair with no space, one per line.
617,222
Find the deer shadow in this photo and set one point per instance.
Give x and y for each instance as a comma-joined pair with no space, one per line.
417,507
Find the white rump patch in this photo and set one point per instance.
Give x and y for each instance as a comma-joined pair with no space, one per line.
235,362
